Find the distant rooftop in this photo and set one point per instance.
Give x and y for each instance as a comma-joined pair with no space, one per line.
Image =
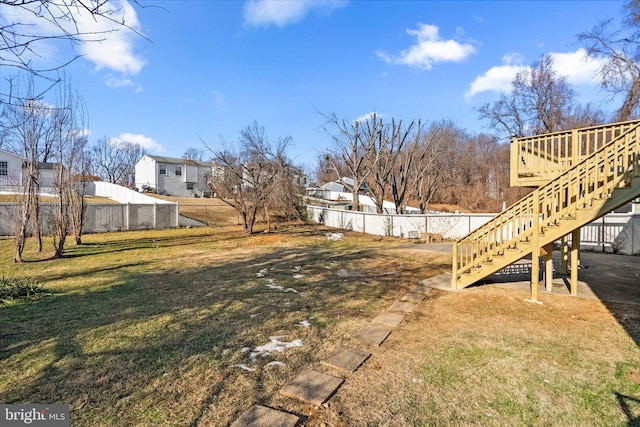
178,160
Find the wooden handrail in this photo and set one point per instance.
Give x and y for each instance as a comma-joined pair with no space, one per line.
549,155
594,177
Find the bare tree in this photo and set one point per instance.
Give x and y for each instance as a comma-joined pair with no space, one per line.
284,198
193,153
67,123
539,102
24,123
245,178
619,49
428,171
389,147
27,25
355,150
79,164
324,170
585,116
115,161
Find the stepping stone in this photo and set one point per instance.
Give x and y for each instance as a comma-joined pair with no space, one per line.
372,335
346,359
261,416
413,297
312,387
405,307
421,289
441,281
389,319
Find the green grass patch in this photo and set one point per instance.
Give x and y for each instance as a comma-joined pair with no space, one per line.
25,288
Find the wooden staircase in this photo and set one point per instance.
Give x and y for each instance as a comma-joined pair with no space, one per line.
583,174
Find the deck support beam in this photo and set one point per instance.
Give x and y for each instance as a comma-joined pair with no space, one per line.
535,246
454,267
564,255
547,253
575,262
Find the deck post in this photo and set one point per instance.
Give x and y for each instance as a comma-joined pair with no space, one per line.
535,246
575,247
548,266
564,255
514,151
454,267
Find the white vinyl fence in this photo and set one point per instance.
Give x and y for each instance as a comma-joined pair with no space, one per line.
101,217
614,233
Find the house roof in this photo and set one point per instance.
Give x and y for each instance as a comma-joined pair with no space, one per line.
41,165
5,152
178,161
343,182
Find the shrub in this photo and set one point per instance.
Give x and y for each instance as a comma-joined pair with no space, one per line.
26,288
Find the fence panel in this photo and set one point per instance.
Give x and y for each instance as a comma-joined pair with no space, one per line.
100,218
105,218
615,233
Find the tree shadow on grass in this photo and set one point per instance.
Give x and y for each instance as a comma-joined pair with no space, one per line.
626,402
150,347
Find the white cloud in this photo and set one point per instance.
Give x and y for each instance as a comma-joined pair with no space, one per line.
118,82
143,141
115,48
262,13
498,78
107,42
429,49
367,116
575,66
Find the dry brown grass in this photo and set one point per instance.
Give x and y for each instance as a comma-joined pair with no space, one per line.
213,212
144,329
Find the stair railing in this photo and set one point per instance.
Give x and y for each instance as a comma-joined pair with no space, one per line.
549,155
595,177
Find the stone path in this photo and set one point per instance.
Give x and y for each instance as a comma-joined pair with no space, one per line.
261,416
312,387
346,359
316,388
372,335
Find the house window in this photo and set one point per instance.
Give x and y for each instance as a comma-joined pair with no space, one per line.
189,185
4,168
178,170
163,169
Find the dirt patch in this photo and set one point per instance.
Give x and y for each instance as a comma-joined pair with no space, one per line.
634,375
267,239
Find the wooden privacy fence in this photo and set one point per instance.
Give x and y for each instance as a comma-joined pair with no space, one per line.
101,217
613,233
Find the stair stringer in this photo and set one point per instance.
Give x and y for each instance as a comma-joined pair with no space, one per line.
552,232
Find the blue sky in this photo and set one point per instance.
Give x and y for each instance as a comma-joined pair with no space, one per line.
209,68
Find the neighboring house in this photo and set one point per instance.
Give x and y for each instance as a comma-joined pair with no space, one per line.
10,169
173,176
337,195
344,185
12,172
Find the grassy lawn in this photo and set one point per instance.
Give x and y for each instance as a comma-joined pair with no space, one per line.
146,328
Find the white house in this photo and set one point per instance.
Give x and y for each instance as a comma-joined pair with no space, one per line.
12,172
173,176
10,169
